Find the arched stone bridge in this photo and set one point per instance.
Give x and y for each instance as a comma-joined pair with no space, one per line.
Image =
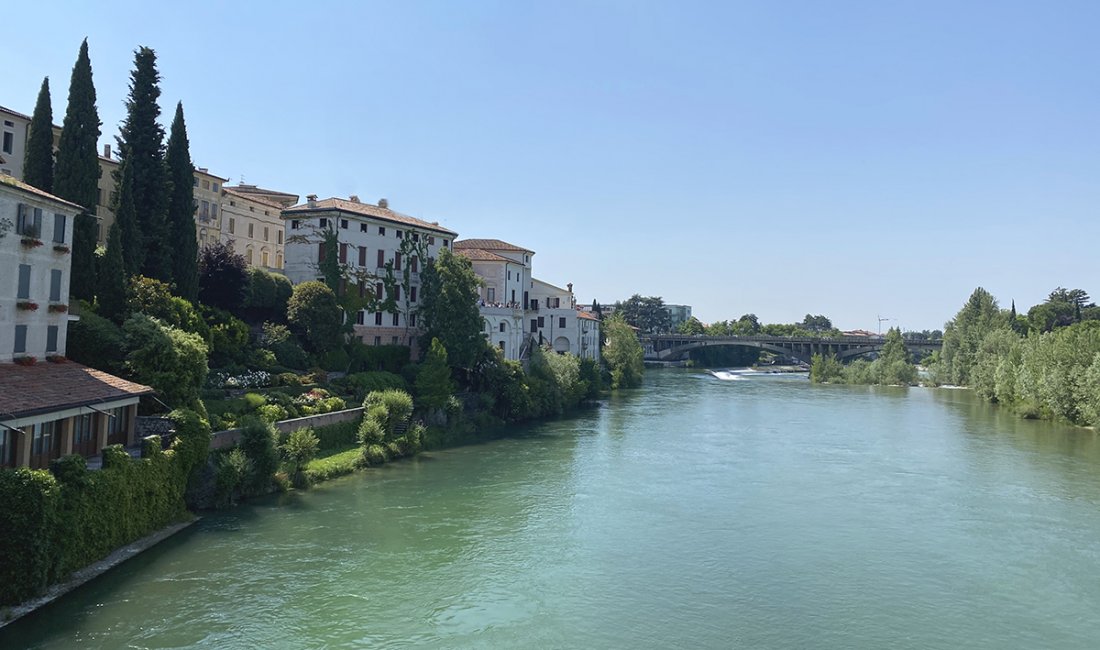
670,347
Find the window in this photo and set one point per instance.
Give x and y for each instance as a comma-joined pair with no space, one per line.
24,289
196,182
266,233
82,428
55,285
377,318
362,256
115,421
534,324
412,294
501,326
509,275
251,230
322,222
20,339
381,258
251,208
343,253
264,260
381,231
206,185
360,317
397,292
213,210
398,234
204,210
322,251
214,186
412,320
294,224
542,321
431,240
43,437
491,294
414,264
395,319
278,260
416,236
501,344
396,261
378,340
378,291
395,340
9,141
343,224
362,227
58,228
444,243
233,203
28,221
561,322
51,338
278,236
248,256
233,225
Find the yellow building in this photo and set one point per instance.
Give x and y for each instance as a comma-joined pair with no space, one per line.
251,222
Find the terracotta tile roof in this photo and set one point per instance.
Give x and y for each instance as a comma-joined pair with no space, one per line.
491,245
10,181
5,109
481,255
367,210
587,316
45,387
257,198
284,199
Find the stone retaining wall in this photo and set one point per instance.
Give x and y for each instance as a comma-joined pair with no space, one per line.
230,437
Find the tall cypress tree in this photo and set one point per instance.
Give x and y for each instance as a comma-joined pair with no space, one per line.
76,173
38,162
181,210
133,251
111,293
141,145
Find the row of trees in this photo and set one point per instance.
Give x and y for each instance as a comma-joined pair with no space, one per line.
1045,364
750,325
892,367
154,229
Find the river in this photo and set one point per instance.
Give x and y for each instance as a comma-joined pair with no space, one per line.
765,513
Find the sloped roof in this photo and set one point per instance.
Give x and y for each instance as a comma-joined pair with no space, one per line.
587,316
491,245
257,198
366,210
11,181
46,387
481,255
5,109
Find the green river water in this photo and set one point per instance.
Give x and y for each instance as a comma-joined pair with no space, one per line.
764,513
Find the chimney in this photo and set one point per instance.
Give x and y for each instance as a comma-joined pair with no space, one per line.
384,204
107,151
354,198
311,201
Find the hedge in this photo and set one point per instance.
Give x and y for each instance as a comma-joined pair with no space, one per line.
61,520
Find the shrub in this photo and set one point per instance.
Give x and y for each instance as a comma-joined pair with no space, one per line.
232,469
361,383
97,342
272,413
314,314
341,434
228,337
300,447
387,358
398,407
374,454
259,442
371,431
253,401
168,359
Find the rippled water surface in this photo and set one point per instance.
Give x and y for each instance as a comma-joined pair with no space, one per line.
765,513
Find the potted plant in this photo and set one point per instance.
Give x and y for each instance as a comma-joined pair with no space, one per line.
26,305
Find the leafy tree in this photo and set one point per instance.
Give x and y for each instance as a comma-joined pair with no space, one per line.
169,359
817,323
76,172
228,336
181,210
747,325
260,443
97,342
38,160
111,294
315,316
433,383
223,277
133,251
300,447
154,298
1051,315
623,353
1078,297
267,296
449,310
691,327
894,365
141,145
647,314
963,334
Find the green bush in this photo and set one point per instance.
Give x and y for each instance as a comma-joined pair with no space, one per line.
300,447
168,359
374,454
253,401
341,434
272,413
335,360
386,358
231,470
96,342
259,441
361,383
51,527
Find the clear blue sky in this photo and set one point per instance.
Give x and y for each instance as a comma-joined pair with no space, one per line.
848,158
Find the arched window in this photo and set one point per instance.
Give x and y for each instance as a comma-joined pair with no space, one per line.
248,255
263,258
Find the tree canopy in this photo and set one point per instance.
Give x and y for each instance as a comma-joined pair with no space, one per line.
38,158
648,313
181,211
449,310
315,316
223,277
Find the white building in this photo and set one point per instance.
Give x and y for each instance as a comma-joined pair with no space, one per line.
49,407
14,130
373,242
516,306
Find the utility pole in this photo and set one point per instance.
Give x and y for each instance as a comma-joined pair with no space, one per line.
880,321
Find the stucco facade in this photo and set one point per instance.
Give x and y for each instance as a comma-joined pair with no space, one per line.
14,129
252,223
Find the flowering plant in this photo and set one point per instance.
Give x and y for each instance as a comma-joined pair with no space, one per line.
58,309
26,305
25,361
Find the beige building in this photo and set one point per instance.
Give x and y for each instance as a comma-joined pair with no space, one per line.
49,407
14,130
251,221
208,196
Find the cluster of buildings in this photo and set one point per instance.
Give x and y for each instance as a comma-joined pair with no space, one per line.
50,407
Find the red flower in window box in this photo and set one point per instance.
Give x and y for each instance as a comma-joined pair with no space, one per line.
31,242
61,248
58,309
25,361
26,305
